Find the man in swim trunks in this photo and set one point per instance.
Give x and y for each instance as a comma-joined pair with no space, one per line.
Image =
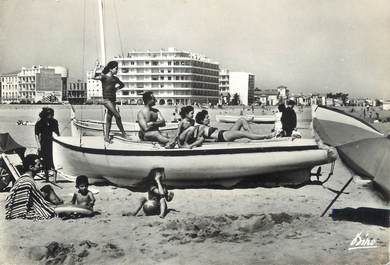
235,132
150,120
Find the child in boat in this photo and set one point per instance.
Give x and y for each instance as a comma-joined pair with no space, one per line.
158,196
185,125
83,197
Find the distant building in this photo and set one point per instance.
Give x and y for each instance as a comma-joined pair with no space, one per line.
9,87
318,99
77,92
94,87
224,86
243,84
266,96
301,100
172,75
386,105
35,84
284,93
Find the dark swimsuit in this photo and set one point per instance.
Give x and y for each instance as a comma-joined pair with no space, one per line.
220,134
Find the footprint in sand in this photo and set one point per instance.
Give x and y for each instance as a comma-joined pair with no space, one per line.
113,250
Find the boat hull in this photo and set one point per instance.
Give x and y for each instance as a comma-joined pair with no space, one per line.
218,163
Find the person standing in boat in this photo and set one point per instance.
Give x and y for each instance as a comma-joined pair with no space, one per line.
289,119
110,85
150,120
44,129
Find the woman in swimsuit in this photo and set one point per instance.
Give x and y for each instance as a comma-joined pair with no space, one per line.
185,126
207,132
110,84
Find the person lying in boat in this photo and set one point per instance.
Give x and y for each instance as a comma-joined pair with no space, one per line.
150,120
185,126
110,84
204,131
83,197
158,196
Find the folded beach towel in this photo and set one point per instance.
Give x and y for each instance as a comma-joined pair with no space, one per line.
26,202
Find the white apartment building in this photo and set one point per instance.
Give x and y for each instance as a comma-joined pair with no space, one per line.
9,87
224,86
94,87
174,77
38,83
243,84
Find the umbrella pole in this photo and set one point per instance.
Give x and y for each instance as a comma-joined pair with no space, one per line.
337,196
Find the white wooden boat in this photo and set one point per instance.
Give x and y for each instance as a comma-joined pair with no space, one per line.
129,163
249,118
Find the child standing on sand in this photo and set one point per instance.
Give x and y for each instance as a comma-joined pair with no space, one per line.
83,197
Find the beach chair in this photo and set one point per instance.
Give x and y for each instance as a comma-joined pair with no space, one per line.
8,172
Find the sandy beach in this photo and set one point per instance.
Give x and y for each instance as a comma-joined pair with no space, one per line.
259,225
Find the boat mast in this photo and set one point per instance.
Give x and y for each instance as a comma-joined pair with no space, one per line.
101,31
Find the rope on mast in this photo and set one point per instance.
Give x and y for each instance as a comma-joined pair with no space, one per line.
118,27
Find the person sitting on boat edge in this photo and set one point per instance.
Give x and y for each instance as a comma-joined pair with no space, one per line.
204,131
110,84
158,196
185,126
150,120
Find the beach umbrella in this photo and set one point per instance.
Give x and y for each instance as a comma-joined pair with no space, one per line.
9,146
362,148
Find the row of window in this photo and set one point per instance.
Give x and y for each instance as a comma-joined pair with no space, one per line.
176,93
171,63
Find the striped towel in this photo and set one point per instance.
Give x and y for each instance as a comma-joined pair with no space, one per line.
26,202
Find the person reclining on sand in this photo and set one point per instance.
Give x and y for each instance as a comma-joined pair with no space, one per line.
158,196
25,201
150,120
204,131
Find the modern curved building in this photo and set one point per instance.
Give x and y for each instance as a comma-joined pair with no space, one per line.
174,77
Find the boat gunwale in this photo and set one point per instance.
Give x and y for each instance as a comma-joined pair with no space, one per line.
347,114
185,152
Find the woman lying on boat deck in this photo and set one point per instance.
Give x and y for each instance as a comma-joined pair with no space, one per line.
110,84
186,124
199,133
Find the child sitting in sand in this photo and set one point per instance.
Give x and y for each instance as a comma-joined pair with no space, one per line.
83,197
158,195
185,126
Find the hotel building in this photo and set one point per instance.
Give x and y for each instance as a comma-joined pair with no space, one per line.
224,86
9,87
174,77
77,92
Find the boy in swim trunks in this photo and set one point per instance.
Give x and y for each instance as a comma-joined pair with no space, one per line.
83,197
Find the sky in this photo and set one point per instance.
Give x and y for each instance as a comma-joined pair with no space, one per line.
306,45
